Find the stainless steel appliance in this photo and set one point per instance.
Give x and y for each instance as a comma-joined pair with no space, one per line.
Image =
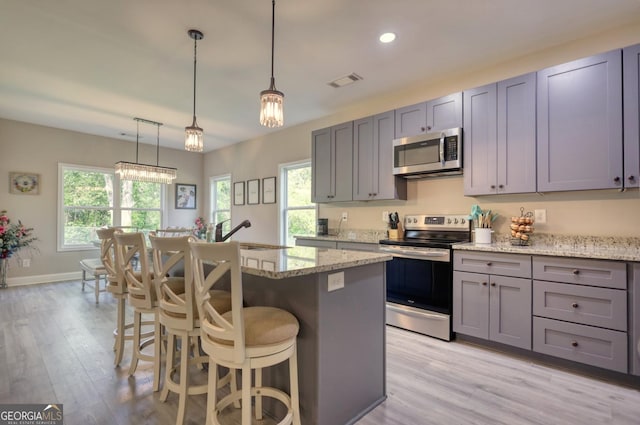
420,276
438,153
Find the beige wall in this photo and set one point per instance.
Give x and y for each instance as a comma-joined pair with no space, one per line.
584,213
25,147
38,149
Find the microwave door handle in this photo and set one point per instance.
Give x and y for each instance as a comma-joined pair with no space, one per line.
442,148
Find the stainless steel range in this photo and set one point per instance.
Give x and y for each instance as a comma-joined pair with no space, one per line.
419,278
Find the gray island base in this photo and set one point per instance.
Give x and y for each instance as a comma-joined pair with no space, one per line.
341,343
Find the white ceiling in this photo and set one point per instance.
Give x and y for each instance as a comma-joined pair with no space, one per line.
93,65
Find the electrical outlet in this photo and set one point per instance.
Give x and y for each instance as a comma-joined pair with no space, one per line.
345,216
26,262
335,281
385,216
540,216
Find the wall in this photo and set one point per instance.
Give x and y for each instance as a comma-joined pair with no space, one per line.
595,213
37,149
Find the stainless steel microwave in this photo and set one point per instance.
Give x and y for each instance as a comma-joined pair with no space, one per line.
437,153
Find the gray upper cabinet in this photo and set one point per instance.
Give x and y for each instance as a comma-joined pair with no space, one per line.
500,137
372,162
434,115
332,162
631,77
579,107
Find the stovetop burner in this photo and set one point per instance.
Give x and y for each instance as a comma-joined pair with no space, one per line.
433,231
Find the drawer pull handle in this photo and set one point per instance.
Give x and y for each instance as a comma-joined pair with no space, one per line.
574,305
493,284
484,283
576,271
489,263
574,343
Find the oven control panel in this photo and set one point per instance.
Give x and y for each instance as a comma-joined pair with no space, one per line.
436,221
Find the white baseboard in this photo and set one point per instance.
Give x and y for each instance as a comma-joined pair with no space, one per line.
43,278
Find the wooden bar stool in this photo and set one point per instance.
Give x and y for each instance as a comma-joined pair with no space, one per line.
142,297
179,315
246,338
117,287
94,268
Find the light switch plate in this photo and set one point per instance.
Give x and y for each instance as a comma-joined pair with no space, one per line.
540,216
335,281
385,216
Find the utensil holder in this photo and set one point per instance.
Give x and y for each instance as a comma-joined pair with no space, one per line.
483,235
393,234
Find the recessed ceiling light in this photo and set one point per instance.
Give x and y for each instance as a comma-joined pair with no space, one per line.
387,37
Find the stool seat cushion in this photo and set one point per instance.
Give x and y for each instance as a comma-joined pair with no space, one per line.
265,326
220,300
93,265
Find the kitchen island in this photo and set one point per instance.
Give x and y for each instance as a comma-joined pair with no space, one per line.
338,297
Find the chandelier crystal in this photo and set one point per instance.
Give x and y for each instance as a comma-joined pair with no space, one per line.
194,135
272,100
145,172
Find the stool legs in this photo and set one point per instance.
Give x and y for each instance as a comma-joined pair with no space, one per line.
139,345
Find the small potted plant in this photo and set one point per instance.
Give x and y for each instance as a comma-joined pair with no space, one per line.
13,237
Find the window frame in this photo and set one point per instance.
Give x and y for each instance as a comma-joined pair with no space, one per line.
213,197
116,208
283,198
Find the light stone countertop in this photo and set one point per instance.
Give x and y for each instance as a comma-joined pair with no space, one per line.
302,260
351,235
601,248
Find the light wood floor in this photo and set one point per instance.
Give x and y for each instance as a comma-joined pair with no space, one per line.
56,347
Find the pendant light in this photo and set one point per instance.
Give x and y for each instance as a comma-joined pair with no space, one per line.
194,136
144,172
272,100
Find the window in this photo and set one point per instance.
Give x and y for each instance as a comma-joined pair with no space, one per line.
297,212
92,197
221,201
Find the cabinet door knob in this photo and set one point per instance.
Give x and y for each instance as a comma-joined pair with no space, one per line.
574,305
428,127
489,263
493,186
484,283
576,272
423,129
574,343
632,178
374,194
617,179
493,284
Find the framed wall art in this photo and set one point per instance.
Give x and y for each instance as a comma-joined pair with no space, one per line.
24,183
238,193
269,190
253,192
185,196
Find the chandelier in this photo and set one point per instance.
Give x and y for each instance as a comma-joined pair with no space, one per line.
194,135
272,100
144,172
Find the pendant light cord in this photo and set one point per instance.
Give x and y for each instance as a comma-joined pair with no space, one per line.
195,55
273,26
137,137
158,145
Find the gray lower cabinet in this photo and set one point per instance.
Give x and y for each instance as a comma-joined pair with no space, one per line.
580,310
437,114
634,308
500,137
323,243
332,163
579,124
631,83
373,177
493,306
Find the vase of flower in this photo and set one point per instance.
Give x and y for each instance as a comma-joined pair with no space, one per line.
3,273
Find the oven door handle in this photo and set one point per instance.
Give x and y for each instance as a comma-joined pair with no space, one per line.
433,256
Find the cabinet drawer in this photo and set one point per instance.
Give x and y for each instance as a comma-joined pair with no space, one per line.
499,264
585,344
608,274
587,305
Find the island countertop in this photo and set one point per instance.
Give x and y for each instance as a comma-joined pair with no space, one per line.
280,263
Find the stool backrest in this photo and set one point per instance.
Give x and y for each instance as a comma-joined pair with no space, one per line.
170,254
222,260
131,249
173,232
